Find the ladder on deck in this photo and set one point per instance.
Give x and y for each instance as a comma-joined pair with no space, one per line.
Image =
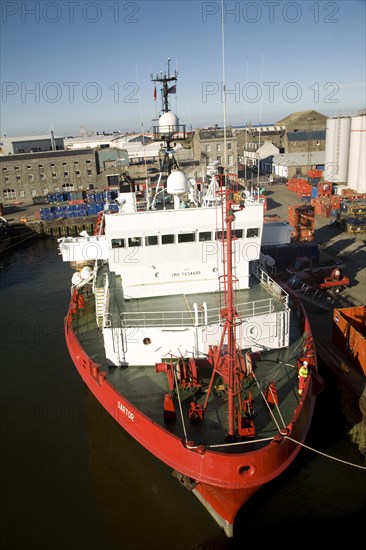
99,306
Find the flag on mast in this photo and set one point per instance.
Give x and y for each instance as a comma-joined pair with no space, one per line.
155,93
172,89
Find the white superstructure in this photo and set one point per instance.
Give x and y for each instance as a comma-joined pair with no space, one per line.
169,252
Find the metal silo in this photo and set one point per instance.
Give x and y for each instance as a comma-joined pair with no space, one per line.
357,156
337,149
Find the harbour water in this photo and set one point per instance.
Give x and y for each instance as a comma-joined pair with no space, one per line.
71,478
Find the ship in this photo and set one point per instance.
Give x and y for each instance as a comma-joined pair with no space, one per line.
182,335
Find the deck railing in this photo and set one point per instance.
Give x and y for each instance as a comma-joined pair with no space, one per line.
198,316
274,288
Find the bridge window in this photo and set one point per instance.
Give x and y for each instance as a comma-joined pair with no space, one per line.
167,239
186,238
205,236
118,243
218,235
253,232
134,241
151,240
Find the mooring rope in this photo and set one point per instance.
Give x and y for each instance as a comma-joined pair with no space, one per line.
325,454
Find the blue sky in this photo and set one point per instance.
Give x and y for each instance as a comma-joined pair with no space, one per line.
74,63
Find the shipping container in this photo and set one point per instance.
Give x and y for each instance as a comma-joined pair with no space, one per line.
349,334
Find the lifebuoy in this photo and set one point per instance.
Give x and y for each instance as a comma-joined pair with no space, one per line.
336,274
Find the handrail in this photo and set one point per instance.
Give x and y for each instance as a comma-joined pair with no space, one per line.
183,318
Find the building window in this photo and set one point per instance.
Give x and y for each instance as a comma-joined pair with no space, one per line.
29,166
80,187
44,191
56,189
16,168
9,194
67,187
208,148
33,192
89,172
30,177
6,179
54,175
19,178
22,194
66,174
40,165
230,159
77,173
76,162
218,158
229,145
219,147
88,162
42,176
4,169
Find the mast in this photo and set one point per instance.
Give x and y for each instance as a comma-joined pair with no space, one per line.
165,79
231,313
168,129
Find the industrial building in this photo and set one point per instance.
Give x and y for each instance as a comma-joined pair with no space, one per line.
30,175
30,144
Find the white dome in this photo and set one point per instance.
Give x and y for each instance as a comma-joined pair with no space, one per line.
86,272
168,123
76,278
177,183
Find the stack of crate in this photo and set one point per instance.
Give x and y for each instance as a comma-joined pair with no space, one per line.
356,218
301,218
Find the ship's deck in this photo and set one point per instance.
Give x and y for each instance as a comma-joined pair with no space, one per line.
145,388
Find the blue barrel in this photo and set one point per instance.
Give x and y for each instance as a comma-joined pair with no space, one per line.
51,197
314,192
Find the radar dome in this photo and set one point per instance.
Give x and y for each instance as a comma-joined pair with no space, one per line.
86,273
168,123
177,183
76,278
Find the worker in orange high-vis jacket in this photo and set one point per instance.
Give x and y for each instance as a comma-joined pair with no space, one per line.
302,376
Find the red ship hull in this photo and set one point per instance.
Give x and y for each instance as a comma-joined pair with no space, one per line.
222,481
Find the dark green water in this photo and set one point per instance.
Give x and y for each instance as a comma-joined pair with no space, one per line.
71,478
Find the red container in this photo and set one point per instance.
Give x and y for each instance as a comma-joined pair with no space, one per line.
315,173
349,334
